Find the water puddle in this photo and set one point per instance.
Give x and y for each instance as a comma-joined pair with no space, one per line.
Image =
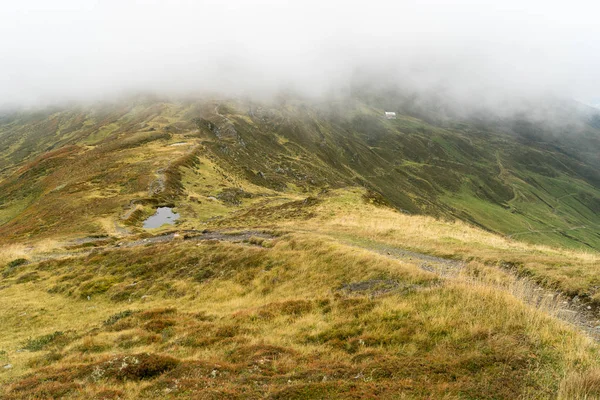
163,215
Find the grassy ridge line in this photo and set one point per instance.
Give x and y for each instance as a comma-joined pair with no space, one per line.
279,313
483,175
73,197
574,273
344,215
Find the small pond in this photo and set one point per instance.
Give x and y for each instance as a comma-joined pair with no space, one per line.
163,215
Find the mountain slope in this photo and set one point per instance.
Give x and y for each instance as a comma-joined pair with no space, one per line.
325,304
302,265
512,177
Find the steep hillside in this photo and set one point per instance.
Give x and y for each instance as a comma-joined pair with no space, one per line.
321,251
89,166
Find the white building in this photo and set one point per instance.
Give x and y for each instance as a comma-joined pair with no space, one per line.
390,115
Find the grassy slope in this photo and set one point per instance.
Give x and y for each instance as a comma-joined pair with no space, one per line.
271,317
536,191
274,313
572,272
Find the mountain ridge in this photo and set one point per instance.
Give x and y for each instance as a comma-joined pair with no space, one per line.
320,251
516,178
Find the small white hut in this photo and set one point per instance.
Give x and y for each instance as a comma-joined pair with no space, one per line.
390,115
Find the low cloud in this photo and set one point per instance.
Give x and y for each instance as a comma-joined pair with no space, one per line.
472,52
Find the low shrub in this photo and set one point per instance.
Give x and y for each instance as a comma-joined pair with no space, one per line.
117,317
40,343
134,367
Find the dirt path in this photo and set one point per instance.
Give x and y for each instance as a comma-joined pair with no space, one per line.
158,185
573,311
503,175
193,235
570,310
554,230
189,235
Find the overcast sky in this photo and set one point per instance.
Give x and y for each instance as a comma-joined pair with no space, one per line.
55,50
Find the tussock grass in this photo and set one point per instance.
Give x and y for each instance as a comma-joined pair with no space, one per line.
323,310
277,322
318,311
344,217
580,386
12,252
28,251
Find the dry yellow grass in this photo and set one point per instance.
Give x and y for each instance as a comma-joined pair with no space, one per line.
287,299
320,312
344,216
344,211
12,251
580,386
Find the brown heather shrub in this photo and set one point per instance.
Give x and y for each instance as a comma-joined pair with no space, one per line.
259,353
133,367
157,312
158,325
136,339
48,383
108,394
293,308
44,360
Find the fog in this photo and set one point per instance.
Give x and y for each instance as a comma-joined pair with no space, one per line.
473,52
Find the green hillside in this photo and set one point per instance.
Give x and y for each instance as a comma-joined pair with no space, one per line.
87,163
321,251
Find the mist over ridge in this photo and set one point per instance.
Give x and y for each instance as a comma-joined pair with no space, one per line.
483,54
